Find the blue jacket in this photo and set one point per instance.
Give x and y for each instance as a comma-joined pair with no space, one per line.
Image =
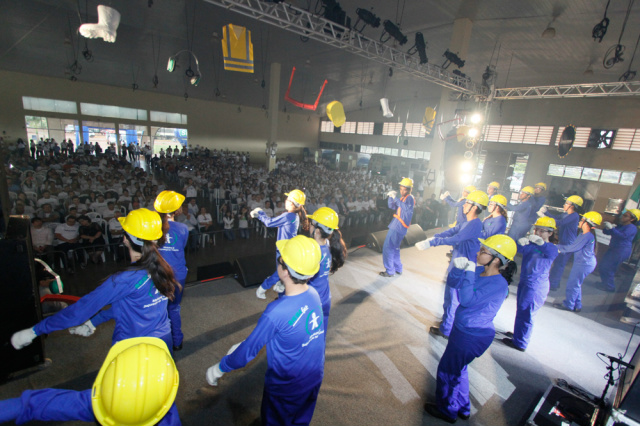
536,263
287,224
460,216
582,248
622,237
404,212
536,203
320,281
173,249
464,239
567,225
493,226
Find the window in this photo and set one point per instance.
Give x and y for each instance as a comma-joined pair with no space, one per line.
591,174
132,134
365,128
48,127
391,129
573,172
610,176
595,175
50,105
326,126
627,140
113,111
533,135
414,130
627,178
165,137
168,117
556,170
349,127
100,133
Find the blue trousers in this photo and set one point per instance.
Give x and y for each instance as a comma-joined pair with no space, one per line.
609,265
557,269
290,410
531,297
577,275
391,252
173,310
519,230
452,390
450,306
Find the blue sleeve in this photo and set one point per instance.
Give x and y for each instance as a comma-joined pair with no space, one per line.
577,245
102,316
273,222
626,233
471,296
391,202
264,331
519,207
469,232
449,232
458,278
549,250
454,203
48,405
171,418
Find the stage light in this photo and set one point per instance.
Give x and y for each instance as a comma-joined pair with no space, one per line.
195,80
473,132
465,179
468,155
193,76
466,166
368,17
392,30
476,118
421,47
171,64
333,12
452,58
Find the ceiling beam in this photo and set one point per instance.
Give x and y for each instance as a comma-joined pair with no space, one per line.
593,90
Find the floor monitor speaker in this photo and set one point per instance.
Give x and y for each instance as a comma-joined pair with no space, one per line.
252,270
375,240
414,234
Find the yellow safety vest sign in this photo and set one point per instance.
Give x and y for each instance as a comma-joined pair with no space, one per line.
237,49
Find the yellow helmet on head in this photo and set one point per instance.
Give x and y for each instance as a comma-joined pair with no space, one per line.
297,197
593,218
500,200
528,190
143,224
469,188
502,246
541,185
301,255
327,218
479,198
635,213
168,202
496,185
136,384
408,182
576,200
545,222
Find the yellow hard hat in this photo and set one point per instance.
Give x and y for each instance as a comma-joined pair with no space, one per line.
335,112
574,199
496,185
528,190
297,197
302,256
469,188
326,217
136,384
143,224
168,202
478,197
408,182
541,185
545,222
635,213
593,218
501,245
500,200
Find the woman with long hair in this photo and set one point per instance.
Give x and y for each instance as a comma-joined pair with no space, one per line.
138,295
287,224
496,222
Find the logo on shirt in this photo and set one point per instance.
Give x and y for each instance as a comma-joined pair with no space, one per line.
294,320
314,321
169,238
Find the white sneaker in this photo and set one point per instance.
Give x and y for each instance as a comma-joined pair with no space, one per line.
261,293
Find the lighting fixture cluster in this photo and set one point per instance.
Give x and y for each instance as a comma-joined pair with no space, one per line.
193,76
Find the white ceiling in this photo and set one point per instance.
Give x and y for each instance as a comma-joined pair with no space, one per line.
33,34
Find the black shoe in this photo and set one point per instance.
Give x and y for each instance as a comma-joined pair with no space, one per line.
436,332
509,342
604,287
577,309
509,334
398,273
433,410
384,274
463,416
562,307
177,348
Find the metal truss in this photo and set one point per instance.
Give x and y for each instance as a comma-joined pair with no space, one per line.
626,88
314,27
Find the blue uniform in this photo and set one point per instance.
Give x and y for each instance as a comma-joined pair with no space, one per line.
537,201
584,262
320,282
60,405
472,334
397,230
493,226
287,224
173,252
619,250
521,223
567,225
459,205
533,288
464,239
291,328
137,306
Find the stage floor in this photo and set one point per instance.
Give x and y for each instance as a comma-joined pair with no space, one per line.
380,360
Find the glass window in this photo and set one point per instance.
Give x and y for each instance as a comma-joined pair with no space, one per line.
627,178
573,172
349,127
132,134
37,127
113,111
50,105
591,174
403,153
98,132
556,170
365,128
394,151
168,117
387,151
391,129
165,137
326,126
374,150
610,176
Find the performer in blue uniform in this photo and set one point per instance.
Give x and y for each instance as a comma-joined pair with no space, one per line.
138,296
584,261
398,227
458,205
482,291
521,222
493,189
567,223
619,248
287,224
121,388
538,253
464,239
174,239
291,328
538,200
496,222
324,229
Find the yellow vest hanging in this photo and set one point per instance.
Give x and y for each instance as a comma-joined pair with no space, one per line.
237,48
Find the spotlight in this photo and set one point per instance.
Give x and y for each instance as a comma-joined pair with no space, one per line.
193,76
171,65
333,12
195,80
468,155
392,30
368,17
465,179
452,58
473,132
476,118
421,47
466,166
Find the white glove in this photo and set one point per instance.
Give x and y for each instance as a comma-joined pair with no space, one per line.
523,241
540,213
23,338
278,287
536,240
261,293
85,329
423,245
254,212
608,225
542,210
392,194
213,374
444,195
464,263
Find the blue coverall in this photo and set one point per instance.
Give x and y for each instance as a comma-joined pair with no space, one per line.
61,405
320,282
493,226
287,224
460,216
521,223
173,252
584,262
472,334
291,328
137,306
619,250
537,201
567,225
397,230
533,288
464,239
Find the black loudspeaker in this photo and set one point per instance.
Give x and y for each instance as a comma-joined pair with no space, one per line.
414,234
375,240
252,270
217,270
20,301
358,241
